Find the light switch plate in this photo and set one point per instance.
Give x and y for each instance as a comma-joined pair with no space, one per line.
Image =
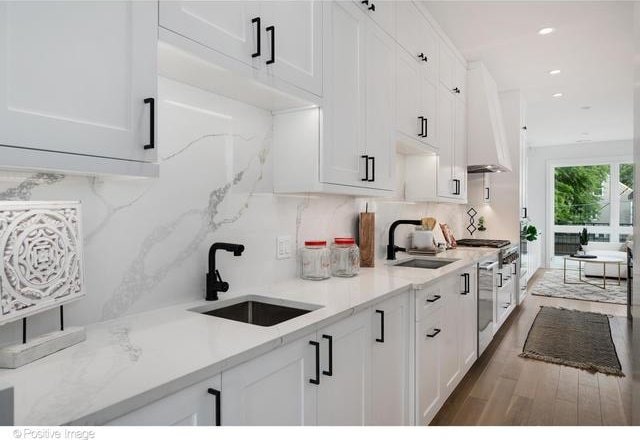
283,247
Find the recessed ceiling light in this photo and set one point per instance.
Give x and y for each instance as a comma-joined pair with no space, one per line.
546,31
554,72
557,95
585,107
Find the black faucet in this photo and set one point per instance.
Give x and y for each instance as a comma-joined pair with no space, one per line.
391,247
214,280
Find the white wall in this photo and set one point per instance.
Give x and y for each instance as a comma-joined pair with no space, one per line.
538,159
146,240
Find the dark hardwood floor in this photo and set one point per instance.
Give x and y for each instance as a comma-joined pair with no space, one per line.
504,389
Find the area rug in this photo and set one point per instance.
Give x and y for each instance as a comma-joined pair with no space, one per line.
577,339
551,284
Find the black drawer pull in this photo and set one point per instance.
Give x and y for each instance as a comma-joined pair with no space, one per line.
488,195
256,20
501,280
425,121
272,29
434,334
434,299
381,338
329,372
465,277
152,123
316,381
456,191
216,395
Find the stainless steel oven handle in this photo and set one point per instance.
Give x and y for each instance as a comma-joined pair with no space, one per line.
489,267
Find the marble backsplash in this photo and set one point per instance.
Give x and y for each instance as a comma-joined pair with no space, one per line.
146,240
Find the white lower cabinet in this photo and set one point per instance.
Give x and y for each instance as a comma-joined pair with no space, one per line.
192,406
390,355
446,339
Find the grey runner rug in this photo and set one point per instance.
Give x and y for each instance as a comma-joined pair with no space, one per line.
573,338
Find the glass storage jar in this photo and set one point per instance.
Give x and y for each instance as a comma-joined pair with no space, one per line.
345,257
314,261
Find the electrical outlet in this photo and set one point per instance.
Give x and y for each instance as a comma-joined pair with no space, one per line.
283,247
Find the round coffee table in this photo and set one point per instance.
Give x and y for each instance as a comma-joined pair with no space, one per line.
602,260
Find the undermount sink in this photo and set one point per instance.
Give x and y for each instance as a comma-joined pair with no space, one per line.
257,310
426,263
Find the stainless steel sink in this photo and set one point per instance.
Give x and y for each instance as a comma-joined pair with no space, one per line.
257,310
425,263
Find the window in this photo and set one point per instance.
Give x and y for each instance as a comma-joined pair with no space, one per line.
595,196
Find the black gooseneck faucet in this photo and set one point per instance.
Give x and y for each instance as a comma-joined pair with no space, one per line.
391,247
214,280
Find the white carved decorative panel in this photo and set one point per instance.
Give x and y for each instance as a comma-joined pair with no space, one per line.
41,257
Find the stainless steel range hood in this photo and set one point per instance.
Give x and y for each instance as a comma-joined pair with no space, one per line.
488,151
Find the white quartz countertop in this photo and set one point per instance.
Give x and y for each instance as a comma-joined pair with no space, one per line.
132,361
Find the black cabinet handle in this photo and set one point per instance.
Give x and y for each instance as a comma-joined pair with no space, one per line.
381,338
272,29
329,372
456,90
487,197
316,381
372,8
365,2
256,20
524,213
434,334
434,299
421,121
501,280
425,121
366,168
152,123
456,191
421,56
373,169
465,277
515,267
216,394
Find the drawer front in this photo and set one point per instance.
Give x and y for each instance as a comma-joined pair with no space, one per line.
428,300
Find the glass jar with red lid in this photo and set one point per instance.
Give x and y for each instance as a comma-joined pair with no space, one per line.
314,260
345,257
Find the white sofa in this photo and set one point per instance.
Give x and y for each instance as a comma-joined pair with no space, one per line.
611,250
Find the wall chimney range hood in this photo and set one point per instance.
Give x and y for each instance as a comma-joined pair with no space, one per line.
488,151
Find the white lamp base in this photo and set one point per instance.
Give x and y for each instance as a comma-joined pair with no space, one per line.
17,355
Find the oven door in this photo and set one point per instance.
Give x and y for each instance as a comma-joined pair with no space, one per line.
486,306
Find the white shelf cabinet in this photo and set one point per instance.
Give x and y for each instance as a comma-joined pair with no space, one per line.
280,39
65,88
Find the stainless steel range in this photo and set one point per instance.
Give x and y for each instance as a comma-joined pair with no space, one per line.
477,242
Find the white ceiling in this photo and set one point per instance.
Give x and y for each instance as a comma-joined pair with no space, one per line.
592,45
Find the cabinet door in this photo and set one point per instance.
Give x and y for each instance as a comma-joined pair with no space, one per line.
380,107
428,349
416,37
428,104
343,393
460,148
225,26
273,389
450,373
446,115
344,90
468,319
390,362
74,77
297,40
193,406
408,102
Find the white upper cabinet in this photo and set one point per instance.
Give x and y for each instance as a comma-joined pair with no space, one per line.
292,42
280,39
460,149
446,118
417,38
230,27
79,77
382,12
380,108
344,110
